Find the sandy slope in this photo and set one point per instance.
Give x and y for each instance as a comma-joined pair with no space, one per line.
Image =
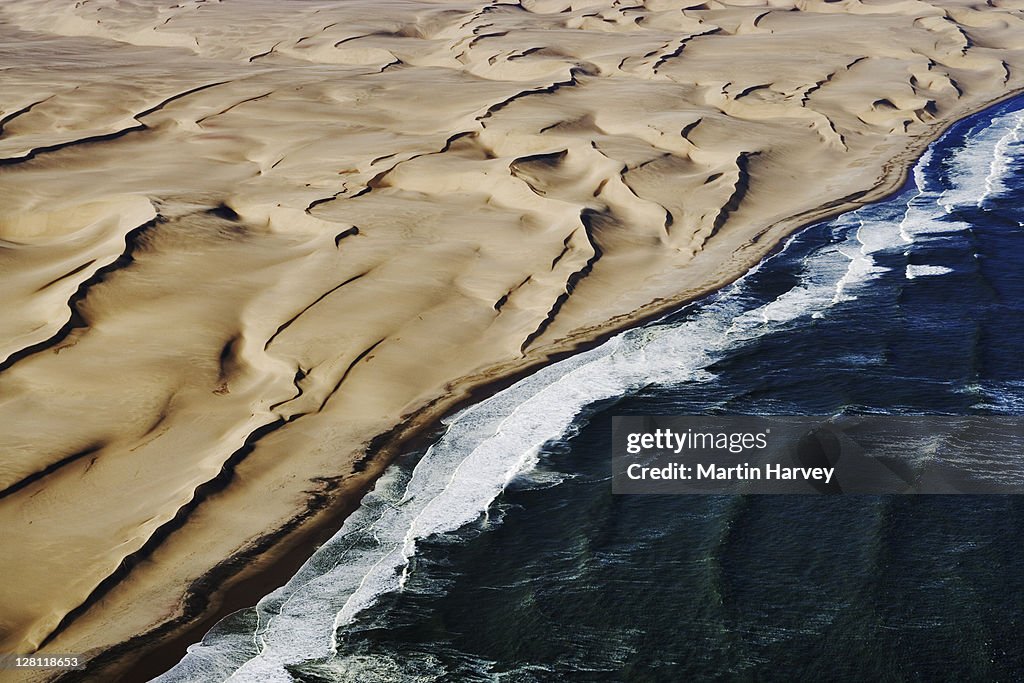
240,239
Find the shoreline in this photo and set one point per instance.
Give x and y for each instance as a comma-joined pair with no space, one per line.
276,556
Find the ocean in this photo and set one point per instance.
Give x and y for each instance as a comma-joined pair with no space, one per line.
500,554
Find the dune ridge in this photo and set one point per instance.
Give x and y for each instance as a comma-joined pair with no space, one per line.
250,246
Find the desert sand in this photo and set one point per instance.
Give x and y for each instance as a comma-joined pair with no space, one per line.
249,247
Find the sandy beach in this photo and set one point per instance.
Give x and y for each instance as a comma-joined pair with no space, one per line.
250,248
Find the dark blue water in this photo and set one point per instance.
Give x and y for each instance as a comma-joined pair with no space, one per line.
914,305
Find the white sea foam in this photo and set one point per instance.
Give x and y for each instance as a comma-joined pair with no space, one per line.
978,167
916,271
1007,149
874,234
1006,397
884,229
921,184
925,216
982,161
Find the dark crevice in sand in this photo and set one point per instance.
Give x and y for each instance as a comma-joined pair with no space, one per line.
376,181
519,168
500,303
680,47
545,90
450,141
382,34
196,601
688,128
815,87
300,375
752,89
481,36
160,418
208,488
524,53
473,17
50,469
105,137
477,29
374,162
201,493
323,200
236,104
284,326
565,250
349,369
548,160
15,114
66,275
759,17
76,320
842,138
351,232
174,98
740,189
36,151
264,54
856,62
586,218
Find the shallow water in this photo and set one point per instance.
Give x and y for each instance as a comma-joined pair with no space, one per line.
501,555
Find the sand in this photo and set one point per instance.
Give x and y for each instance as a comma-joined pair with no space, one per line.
248,247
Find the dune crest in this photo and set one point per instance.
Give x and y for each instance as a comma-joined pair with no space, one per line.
242,240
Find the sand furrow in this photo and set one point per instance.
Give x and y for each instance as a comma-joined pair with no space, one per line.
75,319
571,281
7,118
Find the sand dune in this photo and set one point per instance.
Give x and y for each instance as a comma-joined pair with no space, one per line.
240,240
